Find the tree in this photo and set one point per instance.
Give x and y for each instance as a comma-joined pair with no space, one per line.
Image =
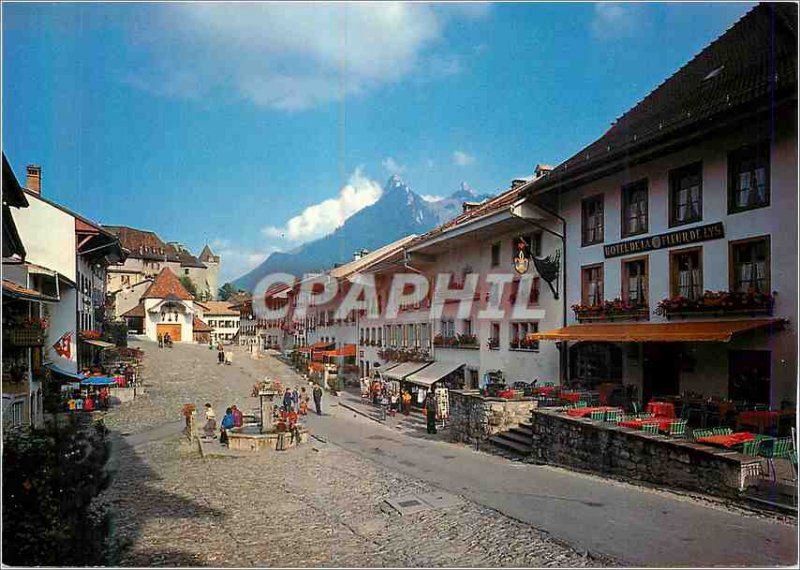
51,478
189,285
226,292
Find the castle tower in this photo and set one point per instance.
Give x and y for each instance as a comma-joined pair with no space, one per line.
212,263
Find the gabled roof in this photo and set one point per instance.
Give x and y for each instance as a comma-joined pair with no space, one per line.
218,308
200,326
137,311
12,191
207,255
167,285
750,67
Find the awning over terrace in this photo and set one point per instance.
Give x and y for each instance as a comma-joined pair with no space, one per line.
405,369
703,331
430,374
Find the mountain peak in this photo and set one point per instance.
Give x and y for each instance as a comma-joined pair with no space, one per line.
395,183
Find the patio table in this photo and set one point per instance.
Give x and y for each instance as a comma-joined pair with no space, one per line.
661,409
728,440
663,424
544,390
571,396
582,412
759,419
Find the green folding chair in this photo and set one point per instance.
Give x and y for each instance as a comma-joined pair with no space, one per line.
793,462
779,449
698,433
650,428
597,415
628,417
613,416
677,428
581,404
751,447
645,415
722,431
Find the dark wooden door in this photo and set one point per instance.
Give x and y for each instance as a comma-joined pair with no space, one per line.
660,369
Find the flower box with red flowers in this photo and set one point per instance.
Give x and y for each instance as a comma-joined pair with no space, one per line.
611,311
718,303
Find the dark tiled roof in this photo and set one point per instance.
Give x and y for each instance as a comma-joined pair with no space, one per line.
167,286
751,65
12,191
144,244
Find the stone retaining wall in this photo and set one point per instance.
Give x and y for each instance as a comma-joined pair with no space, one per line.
475,418
587,445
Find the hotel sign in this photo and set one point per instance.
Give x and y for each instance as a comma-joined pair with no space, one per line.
669,239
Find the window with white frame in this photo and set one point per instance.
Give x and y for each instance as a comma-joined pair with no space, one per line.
447,328
519,334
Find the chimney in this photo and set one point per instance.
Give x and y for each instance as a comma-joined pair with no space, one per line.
359,253
542,169
467,206
33,181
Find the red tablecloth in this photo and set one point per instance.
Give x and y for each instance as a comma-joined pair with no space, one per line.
760,419
581,412
570,396
663,424
544,390
661,409
728,440
120,380
507,394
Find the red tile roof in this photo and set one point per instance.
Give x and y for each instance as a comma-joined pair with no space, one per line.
144,244
200,326
488,207
137,311
16,290
165,284
752,65
218,308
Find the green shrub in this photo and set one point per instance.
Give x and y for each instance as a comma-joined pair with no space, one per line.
51,480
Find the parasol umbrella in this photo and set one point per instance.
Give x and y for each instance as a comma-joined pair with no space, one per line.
98,381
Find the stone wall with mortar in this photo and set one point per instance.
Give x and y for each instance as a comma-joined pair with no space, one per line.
588,445
475,418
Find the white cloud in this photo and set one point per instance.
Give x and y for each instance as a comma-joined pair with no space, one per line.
615,20
431,198
392,166
237,260
461,158
320,219
292,56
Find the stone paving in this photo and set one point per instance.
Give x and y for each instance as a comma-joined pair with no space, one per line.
315,506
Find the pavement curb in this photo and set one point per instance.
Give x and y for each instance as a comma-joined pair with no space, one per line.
359,412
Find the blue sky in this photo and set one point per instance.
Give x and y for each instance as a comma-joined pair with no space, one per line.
255,128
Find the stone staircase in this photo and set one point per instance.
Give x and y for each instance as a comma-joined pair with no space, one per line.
517,440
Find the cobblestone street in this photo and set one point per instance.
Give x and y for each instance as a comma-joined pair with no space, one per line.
318,505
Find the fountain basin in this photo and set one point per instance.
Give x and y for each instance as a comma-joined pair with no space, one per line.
250,438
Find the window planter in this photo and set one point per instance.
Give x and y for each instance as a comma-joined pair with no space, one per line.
616,310
717,304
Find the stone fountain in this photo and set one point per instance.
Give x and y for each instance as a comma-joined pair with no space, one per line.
265,434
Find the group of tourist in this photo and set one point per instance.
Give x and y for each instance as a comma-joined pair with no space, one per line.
294,401
89,402
394,400
232,419
164,340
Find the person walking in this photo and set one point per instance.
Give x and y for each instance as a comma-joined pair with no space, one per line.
220,354
317,393
394,402
237,416
303,401
287,400
160,341
211,423
430,412
406,402
295,399
226,424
